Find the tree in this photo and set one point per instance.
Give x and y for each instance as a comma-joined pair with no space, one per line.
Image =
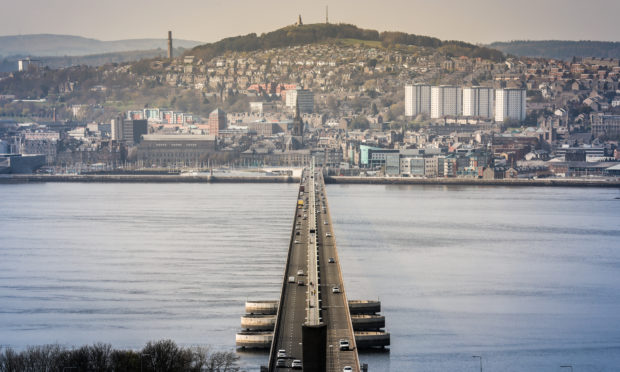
373,109
359,122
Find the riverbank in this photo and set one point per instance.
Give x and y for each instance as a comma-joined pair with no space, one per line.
474,181
175,178
144,178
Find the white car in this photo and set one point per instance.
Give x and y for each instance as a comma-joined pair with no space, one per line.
347,369
328,235
335,290
296,364
281,353
344,344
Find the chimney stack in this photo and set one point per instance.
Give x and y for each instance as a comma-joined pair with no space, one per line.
169,44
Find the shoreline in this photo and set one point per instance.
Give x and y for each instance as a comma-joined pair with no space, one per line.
150,178
544,182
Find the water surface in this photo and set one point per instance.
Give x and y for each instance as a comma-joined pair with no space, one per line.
529,278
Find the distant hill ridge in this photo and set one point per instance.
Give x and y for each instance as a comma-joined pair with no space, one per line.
47,45
319,32
559,49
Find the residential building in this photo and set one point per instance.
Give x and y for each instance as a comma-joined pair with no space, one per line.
478,102
417,99
446,100
510,104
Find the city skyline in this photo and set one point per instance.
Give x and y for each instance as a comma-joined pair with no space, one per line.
478,22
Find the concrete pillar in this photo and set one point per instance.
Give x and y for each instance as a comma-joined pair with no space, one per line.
314,347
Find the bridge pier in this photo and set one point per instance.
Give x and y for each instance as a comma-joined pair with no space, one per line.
314,347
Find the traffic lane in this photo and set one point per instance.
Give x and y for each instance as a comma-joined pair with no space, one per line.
293,313
338,325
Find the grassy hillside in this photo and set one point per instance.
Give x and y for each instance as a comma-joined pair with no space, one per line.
308,34
559,49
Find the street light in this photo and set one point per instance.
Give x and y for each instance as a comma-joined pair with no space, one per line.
571,367
479,357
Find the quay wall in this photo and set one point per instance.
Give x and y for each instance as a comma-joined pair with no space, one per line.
175,178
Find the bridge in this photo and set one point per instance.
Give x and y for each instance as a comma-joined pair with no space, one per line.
313,326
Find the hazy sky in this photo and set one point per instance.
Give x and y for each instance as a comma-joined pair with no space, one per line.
479,21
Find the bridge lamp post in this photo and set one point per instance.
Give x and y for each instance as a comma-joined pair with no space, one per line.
571,367
479,357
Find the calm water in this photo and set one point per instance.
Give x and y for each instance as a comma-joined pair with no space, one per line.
529,278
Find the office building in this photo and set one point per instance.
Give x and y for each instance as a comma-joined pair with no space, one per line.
605,125
116,128
132,131
417,99
175,150
217,121
510,104
302,97
478,102
446,100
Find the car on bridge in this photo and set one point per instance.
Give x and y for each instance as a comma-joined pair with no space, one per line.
281,363
296,364
344,344
329,235
281,353
347,369
336,290
331,260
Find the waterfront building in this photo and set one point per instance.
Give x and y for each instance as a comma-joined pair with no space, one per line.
478,102
217,121
510,104
446,100
175,150
417,99
132,131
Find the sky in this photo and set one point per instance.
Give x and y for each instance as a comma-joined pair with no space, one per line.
476,21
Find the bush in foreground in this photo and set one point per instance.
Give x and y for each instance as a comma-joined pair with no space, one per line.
158,356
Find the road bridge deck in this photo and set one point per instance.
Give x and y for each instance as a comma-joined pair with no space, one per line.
313,291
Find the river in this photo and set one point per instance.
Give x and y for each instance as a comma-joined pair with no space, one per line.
528,277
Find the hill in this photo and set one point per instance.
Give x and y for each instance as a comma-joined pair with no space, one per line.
95,60
559,49
45,45
314,33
